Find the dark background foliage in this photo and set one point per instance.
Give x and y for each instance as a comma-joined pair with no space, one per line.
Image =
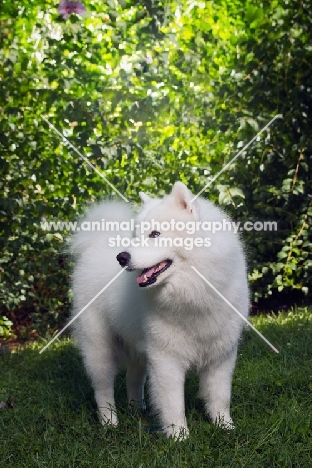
151,93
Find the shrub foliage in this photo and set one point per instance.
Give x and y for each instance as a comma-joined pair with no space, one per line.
151,92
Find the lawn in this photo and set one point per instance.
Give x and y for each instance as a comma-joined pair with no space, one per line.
48,415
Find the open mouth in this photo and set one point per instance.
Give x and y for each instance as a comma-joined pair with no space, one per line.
150,275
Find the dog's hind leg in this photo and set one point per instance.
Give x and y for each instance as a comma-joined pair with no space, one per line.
215,389
166,378
136,376
100,361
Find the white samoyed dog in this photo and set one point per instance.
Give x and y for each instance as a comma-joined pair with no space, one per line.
164,318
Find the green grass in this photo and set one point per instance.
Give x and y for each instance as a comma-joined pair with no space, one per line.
51,418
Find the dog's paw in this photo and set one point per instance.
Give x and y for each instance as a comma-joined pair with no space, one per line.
228,426
178,433
225,423
139,405
108,418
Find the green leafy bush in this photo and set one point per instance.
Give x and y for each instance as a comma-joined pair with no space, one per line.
5,326
151,93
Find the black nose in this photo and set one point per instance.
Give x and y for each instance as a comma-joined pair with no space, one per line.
123,258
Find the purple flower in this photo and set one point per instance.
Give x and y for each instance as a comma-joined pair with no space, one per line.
67,7
148,58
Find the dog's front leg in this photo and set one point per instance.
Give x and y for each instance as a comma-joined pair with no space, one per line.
166,378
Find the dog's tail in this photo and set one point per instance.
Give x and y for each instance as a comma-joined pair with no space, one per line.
101,225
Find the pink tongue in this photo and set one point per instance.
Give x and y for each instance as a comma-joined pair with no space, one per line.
142,278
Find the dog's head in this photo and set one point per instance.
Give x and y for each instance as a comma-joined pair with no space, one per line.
164,231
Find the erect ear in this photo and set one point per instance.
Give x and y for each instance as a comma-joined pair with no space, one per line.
183,196
145,198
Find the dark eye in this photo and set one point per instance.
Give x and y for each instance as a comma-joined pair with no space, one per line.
154,234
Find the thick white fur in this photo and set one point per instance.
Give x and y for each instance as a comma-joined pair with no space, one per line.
164,329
